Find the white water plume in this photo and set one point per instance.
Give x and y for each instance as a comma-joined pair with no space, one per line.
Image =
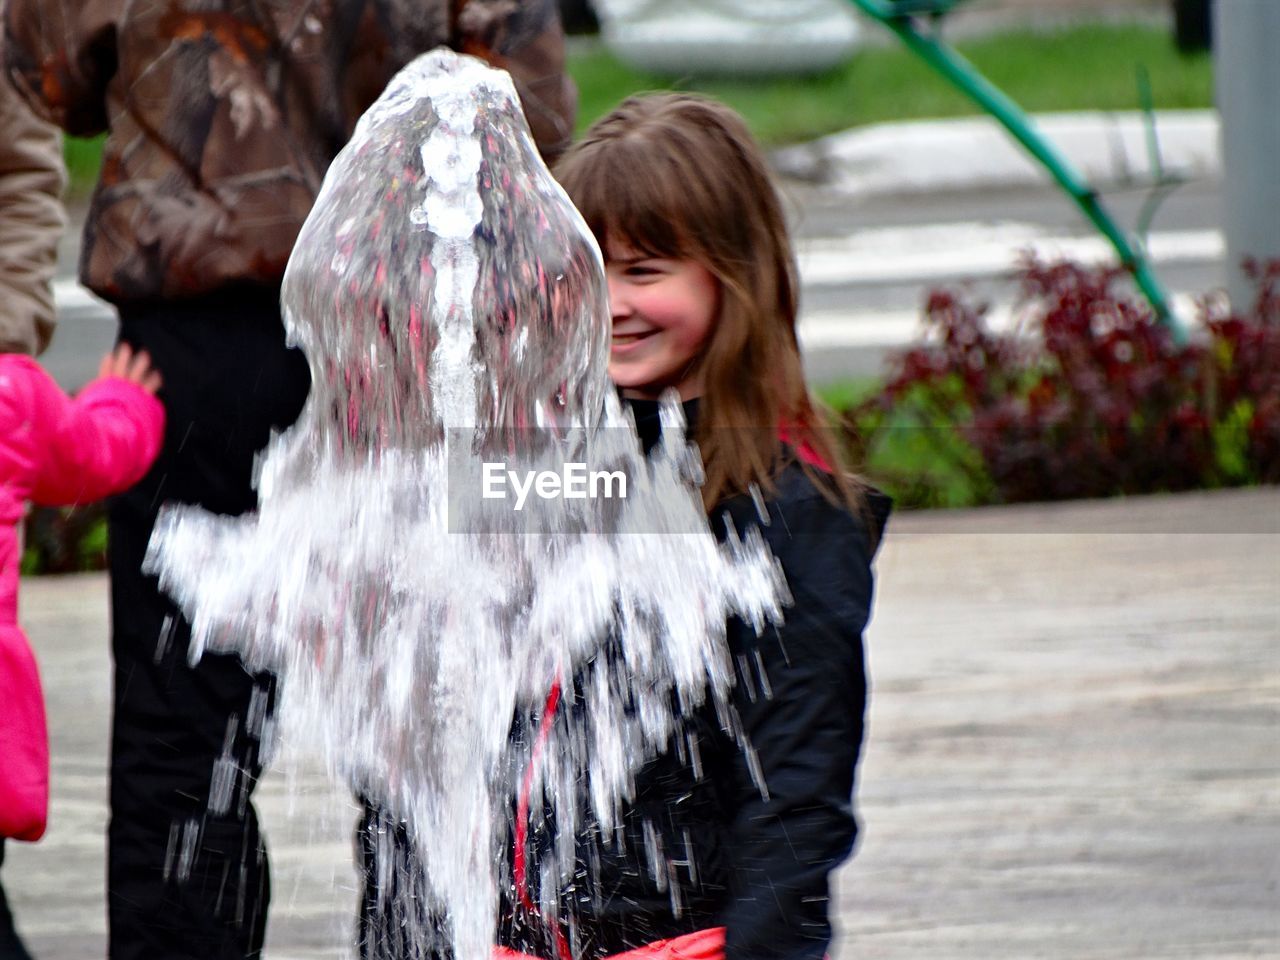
452,305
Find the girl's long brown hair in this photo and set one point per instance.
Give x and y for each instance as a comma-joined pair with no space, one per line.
679,176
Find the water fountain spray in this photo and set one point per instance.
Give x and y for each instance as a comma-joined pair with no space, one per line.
452,305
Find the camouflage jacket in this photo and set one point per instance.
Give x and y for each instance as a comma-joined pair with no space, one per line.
222,115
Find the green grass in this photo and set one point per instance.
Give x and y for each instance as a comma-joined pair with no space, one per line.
839,394
919,468
1090,67
83,158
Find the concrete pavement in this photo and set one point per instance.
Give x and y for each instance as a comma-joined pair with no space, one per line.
1074,747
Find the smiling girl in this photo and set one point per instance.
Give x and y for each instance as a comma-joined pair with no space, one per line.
663,310
729,855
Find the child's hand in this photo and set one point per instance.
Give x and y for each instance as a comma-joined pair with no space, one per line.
122,362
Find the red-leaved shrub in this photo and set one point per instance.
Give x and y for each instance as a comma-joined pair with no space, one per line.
1090,396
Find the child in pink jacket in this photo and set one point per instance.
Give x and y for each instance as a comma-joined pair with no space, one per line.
54,450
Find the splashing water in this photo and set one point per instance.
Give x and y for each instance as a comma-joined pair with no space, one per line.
452,305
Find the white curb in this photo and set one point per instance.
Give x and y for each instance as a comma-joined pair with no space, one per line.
1108,149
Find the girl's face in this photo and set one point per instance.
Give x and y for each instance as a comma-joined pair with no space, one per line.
663,312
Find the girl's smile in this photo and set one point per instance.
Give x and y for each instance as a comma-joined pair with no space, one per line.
625,341
663,310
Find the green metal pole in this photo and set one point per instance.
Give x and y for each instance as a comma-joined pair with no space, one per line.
963,75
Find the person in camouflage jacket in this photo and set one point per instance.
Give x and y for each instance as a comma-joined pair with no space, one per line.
221,118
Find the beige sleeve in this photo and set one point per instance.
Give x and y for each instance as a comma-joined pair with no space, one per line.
32,177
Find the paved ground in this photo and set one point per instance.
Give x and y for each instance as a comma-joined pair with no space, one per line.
1074,750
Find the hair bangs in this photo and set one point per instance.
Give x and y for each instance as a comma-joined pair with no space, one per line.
626,196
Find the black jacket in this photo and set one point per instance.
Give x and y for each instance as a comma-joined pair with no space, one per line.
730,856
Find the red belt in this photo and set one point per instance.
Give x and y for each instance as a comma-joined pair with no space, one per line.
699,945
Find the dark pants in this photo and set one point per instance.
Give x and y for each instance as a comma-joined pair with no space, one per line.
11,946
187,870
395,921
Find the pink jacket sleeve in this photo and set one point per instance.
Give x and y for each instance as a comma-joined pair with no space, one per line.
100,443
